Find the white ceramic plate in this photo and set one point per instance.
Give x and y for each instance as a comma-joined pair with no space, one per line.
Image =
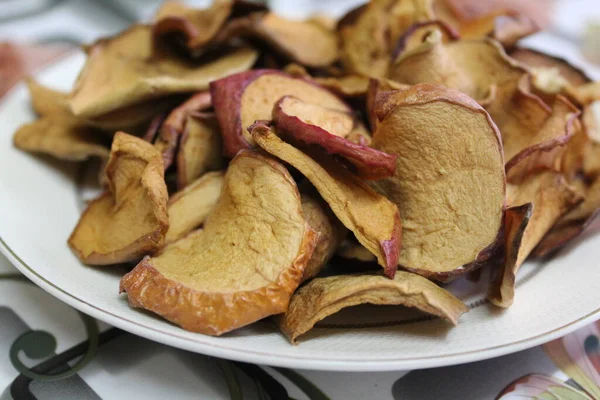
40,203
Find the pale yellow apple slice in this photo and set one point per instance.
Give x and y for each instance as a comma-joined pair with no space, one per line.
323,297
372,218
243,266
130,219
199,148
189,207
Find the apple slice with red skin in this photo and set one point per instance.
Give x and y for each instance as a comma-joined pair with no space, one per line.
241,99
314,125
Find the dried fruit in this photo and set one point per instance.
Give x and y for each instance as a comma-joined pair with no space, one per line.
308,124
245,263
130,219
199,148
128,69
323,297
449,184
551,197
369,33
189,207
330,231
244,98
372,218
174,125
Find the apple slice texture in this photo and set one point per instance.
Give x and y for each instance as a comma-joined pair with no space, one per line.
245,263
244,98
308,124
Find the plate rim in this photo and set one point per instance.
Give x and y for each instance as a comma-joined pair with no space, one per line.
257,357
287,361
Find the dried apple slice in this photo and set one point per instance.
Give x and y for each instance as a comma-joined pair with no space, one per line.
313,125
244,98
351,250
174,125
551,197
449,184
304,42
323,297
331,233
62,137
372,218
195,27
46,101
245,264
128,69
543,145
502,288
345,86
369,33
189,207
574,222
130,219
199,148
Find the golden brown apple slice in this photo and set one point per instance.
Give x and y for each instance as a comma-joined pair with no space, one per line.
62,137
244,98
372,218
49,102
544,145
189,207
543,198
174,125
323,297
127,69
449,184
129,220
195,27
199,148
331,233
245,264
369,33
574,222
307,125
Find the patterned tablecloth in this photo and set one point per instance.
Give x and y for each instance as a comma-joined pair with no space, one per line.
76,357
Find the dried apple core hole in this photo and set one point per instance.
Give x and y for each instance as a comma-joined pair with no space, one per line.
254,233
451,204
261,95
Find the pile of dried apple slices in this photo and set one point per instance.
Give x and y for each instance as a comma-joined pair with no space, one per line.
295,168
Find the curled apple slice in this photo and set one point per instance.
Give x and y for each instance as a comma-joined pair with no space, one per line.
372,218
189,207
331,233
128,69
369,33
173,126
323,297
244,98
243,266
199,148
449,184
129,220
308,124
539,202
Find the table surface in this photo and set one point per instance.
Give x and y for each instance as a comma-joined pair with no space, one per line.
126,366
